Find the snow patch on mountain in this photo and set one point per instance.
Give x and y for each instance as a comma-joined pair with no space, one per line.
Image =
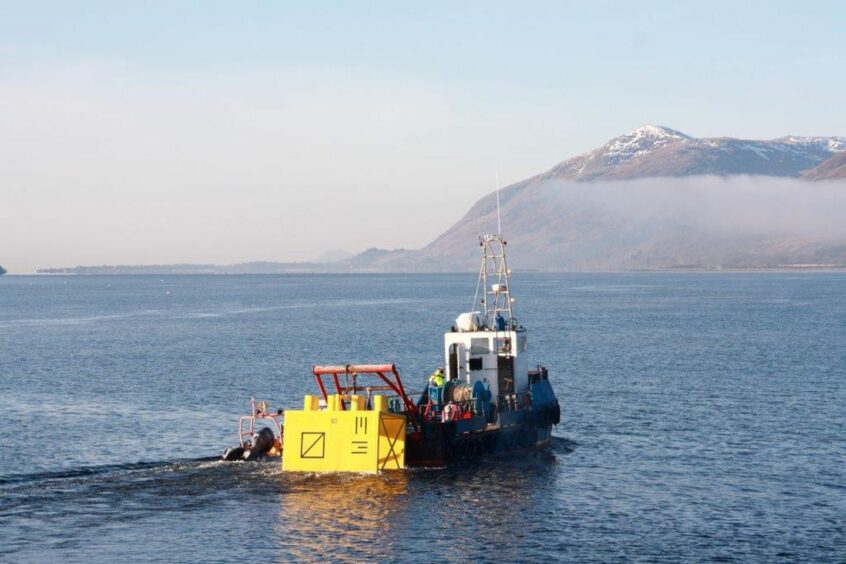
760,151
655,151
830,144
641,141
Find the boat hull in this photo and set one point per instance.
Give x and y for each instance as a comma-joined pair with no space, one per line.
440,444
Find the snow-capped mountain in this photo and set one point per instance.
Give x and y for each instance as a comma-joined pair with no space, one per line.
653,151
657,198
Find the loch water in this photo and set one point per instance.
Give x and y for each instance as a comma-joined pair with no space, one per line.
704,418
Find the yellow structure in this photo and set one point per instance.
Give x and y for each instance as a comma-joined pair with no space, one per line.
336,440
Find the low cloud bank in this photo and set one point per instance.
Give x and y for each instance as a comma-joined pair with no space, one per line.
660,223
730,205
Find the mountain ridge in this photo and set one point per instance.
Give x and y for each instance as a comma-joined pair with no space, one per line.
653,151
833,168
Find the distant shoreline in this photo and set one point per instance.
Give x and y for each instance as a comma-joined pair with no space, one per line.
223,271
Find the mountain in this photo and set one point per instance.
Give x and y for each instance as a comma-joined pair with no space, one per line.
656,198
653,151
830,169
2,271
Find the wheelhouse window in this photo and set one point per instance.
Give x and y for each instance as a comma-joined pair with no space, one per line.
480,346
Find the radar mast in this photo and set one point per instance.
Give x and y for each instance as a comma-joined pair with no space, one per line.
493,290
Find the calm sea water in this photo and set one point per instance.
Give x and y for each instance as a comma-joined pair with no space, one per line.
704,417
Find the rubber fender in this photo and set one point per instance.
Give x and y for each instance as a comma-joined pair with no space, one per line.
233,453
556,413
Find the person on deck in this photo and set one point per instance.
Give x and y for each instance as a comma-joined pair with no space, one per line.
437,379
436,386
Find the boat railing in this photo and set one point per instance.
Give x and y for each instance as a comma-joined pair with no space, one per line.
259,412
538,374
515,402
386,376
466,409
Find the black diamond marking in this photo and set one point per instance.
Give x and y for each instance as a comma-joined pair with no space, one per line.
313,446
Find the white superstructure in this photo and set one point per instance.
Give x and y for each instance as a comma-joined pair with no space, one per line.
487,344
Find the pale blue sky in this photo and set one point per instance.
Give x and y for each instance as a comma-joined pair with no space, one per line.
222,131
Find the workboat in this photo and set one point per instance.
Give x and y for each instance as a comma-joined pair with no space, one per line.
487,400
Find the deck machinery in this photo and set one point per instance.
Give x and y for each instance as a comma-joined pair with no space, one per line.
486,401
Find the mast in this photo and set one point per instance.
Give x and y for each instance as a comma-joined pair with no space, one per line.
493,291
498,215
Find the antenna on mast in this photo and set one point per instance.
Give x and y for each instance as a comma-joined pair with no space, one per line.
498,216
494,300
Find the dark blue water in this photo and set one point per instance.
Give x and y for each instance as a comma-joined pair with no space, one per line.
704,418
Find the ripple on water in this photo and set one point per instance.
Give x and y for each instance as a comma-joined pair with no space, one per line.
703,420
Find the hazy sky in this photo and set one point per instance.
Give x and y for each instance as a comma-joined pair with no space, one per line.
158,132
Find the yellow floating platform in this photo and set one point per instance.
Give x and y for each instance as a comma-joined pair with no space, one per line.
343,440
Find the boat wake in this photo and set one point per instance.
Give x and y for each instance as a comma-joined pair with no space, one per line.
65,506
117,472
68,509
86,471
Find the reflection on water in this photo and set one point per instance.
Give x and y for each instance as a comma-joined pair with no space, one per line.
476,511
340,515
